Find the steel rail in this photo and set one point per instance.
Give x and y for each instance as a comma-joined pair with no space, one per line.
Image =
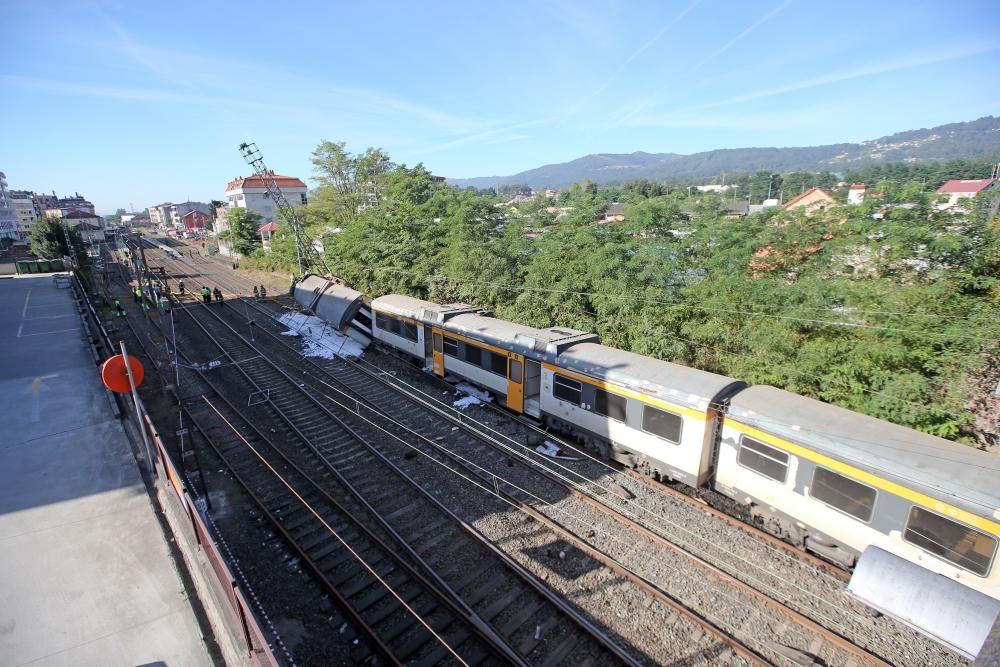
827,634
460,610
524,575
649,587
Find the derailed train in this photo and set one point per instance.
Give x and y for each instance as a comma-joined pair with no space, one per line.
855,490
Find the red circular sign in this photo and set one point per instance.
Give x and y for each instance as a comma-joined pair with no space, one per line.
115,377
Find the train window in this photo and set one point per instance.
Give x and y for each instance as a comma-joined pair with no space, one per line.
843,493
610,405
768,461
515,371
498,364
567,389
473,354
410,331
387,323
450,347
437,342
661,423
953,541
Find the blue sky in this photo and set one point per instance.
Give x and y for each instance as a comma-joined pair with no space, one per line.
143,102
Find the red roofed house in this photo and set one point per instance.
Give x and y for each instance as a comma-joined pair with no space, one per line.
265,233
963,189
194,220
251,193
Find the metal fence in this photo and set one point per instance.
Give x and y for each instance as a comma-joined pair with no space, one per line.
166,475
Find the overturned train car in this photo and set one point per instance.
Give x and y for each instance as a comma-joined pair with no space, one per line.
346,309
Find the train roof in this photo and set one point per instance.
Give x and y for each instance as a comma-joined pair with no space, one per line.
671,382
945,470
333,302
544,344
418,309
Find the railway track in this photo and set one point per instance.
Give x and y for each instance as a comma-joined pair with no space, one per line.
803,638
835,623
737,640
523,617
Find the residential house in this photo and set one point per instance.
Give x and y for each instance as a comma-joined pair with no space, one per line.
957,190
24,209
764,205
614,213
265,234
251,193
178,211
194,220
736,209
856,194
75,203
44,202
812,200
159,215
8,218
90,225
712,188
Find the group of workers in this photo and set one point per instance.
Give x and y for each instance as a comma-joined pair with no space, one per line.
216,294
206,295
161,294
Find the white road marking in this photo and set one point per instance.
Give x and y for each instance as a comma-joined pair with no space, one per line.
24,311
46,333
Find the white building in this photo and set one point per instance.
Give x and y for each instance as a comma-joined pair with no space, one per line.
159,215
250,193
90,226
856,195
25,210
8,219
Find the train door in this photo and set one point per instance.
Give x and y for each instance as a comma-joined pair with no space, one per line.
438,353
515,383
532,388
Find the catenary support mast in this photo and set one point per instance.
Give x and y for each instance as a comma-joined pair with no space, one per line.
303,250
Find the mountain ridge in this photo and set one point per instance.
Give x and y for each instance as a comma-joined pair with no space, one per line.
979,138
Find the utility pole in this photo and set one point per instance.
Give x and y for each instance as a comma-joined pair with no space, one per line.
145,268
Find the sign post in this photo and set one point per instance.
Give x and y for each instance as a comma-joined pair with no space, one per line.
118,376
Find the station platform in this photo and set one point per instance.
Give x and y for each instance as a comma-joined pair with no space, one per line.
86,577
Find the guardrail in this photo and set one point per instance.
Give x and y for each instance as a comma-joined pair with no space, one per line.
257,648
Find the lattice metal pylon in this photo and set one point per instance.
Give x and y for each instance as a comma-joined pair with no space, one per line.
303,249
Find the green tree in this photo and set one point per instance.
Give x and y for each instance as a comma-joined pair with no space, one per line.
244,226
48,240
